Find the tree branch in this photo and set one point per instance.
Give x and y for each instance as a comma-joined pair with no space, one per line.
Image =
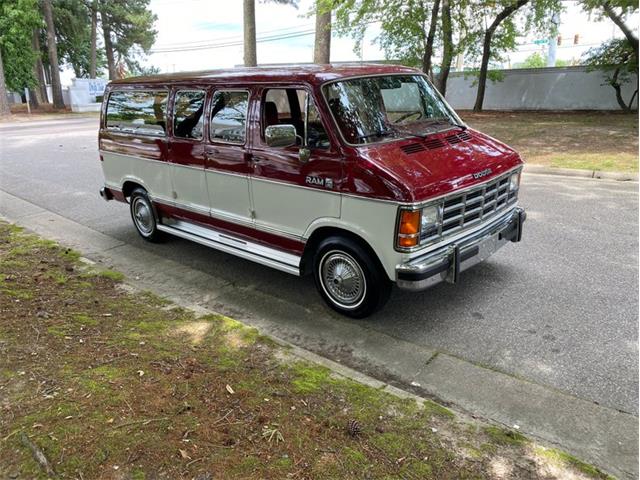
617,19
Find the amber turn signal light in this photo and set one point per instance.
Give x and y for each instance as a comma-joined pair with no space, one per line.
409,222
409,228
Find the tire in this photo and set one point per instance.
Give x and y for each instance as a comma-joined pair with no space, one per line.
350,279
143,216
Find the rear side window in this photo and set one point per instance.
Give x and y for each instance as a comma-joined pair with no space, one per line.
137,112
229,116
187,114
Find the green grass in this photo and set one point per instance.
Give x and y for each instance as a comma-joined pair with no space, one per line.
601,141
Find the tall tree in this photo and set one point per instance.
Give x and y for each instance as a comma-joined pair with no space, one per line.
56,86
127,27
4,101
508,9
403,27
447,47
93,55
18,18
38,67
249,30
322,44
431,36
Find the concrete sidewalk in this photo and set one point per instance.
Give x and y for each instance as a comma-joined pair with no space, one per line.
596,434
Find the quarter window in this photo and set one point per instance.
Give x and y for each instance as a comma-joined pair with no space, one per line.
229,116
187,114
137,112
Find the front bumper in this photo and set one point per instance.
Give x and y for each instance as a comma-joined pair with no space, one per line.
446,263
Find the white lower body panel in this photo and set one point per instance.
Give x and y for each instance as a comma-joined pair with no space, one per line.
224,242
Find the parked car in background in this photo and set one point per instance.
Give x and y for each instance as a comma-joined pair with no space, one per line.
360,175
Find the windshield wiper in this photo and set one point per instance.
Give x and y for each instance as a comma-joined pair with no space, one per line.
449,121
379,133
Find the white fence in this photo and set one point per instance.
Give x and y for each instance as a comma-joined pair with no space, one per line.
560,88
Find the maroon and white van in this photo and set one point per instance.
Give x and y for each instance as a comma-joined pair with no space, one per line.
361,175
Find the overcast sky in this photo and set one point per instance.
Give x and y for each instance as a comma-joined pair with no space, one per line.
184,24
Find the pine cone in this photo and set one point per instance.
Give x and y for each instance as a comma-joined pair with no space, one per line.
354,428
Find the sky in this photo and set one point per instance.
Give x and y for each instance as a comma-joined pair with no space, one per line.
183,25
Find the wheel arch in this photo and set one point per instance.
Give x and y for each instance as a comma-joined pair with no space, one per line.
326,231
129,184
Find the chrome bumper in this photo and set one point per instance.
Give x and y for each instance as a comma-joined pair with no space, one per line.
446,263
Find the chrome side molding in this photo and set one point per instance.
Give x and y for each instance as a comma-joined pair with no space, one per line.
285,262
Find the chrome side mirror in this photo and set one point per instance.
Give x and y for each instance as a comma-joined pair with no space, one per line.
280,135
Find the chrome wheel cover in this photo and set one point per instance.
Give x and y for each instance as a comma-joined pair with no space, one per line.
342,279
142,216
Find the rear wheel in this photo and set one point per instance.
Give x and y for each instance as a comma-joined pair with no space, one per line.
349,278
143,216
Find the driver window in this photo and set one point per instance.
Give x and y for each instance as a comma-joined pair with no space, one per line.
287,107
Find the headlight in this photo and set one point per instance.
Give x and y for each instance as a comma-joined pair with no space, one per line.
429,221
514,182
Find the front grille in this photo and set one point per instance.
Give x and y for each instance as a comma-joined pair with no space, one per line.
473,206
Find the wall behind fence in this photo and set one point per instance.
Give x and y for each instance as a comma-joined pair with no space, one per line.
563,88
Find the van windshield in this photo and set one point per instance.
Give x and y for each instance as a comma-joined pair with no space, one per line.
374,109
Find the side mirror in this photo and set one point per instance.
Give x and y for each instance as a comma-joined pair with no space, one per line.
280,135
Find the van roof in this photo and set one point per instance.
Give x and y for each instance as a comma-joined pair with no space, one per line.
311,73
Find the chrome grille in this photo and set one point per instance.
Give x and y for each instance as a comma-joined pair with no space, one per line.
473,206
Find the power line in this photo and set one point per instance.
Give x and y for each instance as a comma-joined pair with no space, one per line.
195,43
235,43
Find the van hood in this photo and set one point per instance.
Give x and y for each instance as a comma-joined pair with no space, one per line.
415,169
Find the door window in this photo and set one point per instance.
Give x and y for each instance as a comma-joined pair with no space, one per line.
187,114
229,116
288,106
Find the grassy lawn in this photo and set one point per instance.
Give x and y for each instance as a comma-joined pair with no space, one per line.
99,381
592,141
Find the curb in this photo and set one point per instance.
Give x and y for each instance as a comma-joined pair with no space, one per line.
571,172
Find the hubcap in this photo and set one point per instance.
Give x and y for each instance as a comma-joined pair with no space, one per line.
142,216
342,279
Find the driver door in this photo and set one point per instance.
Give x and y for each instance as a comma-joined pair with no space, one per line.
289,193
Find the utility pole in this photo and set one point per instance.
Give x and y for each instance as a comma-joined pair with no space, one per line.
553,40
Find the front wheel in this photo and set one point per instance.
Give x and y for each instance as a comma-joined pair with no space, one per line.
349,278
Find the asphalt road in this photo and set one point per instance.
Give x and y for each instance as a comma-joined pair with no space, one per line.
559,309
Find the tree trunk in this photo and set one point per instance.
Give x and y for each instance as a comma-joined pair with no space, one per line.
56,86
33,98
322,46
4,101
619,21
94,39
428,51
486,50
447,49
250,55
38,68
618,88
108,47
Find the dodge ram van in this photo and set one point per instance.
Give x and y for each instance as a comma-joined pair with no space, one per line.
360,175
